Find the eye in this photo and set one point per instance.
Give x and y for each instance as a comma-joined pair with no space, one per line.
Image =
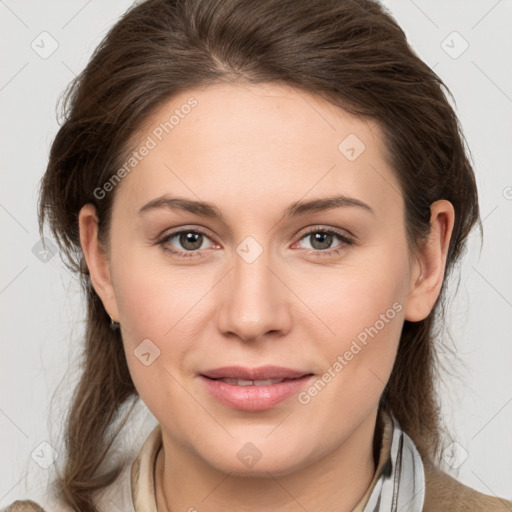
321,240
192,242
190,239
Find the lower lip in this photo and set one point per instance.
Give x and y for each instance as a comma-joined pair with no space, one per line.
254,398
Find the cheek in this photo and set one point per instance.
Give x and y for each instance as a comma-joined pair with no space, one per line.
363,309
162,311
157,317
353,295
153,297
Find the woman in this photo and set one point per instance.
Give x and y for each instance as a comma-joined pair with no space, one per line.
264,201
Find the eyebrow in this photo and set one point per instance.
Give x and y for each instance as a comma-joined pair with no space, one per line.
295,209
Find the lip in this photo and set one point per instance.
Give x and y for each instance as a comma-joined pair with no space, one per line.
259,373
254,398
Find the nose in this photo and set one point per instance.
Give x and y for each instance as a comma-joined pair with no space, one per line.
255,301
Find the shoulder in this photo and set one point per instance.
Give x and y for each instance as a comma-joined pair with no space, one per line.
32,506
23,506
445,493
116,496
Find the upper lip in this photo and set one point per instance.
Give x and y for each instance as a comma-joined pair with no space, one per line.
259,373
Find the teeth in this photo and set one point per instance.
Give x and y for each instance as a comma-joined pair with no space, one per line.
242,382
267,382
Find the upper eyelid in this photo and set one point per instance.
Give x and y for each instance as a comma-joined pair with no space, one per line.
320,227
176,231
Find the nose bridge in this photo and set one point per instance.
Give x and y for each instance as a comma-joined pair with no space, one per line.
253,303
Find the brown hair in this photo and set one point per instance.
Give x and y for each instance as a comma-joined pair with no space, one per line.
350,52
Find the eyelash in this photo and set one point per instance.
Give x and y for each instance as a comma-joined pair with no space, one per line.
346,241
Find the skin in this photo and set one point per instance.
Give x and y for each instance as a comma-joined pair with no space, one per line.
252,151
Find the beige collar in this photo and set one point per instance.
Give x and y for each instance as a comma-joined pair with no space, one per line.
143,468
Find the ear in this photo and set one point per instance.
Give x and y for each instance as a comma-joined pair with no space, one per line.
428,270
97,259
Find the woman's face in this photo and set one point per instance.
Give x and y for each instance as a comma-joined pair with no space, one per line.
261,276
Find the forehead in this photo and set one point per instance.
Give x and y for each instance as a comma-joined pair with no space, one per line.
236,143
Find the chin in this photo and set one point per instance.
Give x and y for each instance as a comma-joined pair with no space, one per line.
258,460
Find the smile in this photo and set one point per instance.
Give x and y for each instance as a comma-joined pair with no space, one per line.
237,391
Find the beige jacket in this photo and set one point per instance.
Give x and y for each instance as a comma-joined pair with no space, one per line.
134,490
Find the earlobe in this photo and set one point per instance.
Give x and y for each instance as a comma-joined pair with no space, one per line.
428,271
96,259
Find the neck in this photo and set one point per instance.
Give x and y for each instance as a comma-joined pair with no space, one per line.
337,481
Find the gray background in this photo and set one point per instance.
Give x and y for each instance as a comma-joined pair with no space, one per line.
42,316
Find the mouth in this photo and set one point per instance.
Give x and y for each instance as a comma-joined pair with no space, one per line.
256,374
254,389
243,382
